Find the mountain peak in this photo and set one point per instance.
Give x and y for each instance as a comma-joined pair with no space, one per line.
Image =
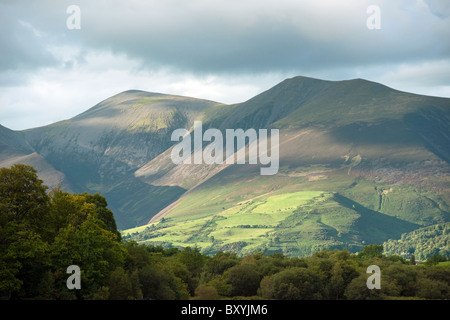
104,148
355,82
133,94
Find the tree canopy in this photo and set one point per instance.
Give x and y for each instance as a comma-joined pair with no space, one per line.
43,232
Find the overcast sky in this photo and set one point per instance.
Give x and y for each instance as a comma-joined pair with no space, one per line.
223,50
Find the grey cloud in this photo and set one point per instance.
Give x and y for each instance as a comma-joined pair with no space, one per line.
440,8
229,36
21,47
29,30
261,39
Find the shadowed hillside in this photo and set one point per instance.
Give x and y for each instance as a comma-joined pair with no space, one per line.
359,162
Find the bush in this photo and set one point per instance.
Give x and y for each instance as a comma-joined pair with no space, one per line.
244,280
292,284
204,292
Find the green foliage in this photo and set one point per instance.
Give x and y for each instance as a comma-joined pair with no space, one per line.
42,234
204,292
23,203
23,196
120,287
371,251
78,229
192,259
220,262
339,212
435,259
294,284
422,243
103,213
92,248
357,289
244,280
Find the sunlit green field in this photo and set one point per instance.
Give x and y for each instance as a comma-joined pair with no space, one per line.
291,214
250,221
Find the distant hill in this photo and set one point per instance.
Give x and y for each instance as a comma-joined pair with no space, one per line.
422,243
14,148
359,163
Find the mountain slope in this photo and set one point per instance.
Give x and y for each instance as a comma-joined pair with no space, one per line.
359,163
382,150
15,149
12,144
100,149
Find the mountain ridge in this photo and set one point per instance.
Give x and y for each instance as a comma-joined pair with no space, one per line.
354,138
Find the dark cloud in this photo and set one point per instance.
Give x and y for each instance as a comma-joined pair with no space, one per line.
22,45
230,36
223,36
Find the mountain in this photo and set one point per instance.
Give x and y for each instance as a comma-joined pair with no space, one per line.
100,149
15,149
359,163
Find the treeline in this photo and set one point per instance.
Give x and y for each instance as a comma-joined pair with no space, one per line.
422,243
42,233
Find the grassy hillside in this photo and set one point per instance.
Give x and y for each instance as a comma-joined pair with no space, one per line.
100,149
360,163
296,214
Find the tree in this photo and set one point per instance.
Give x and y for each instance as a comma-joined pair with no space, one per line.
244,280
220,262
222,287
104,214
435,259
45,290
137,256
266,288
341,275
23,196
293,284
23,260
23,207
161,284
66,209
404,277
73,209
9,264
357,289
42,234
94,249
432,289
120,287
204,292
193,259
371,251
